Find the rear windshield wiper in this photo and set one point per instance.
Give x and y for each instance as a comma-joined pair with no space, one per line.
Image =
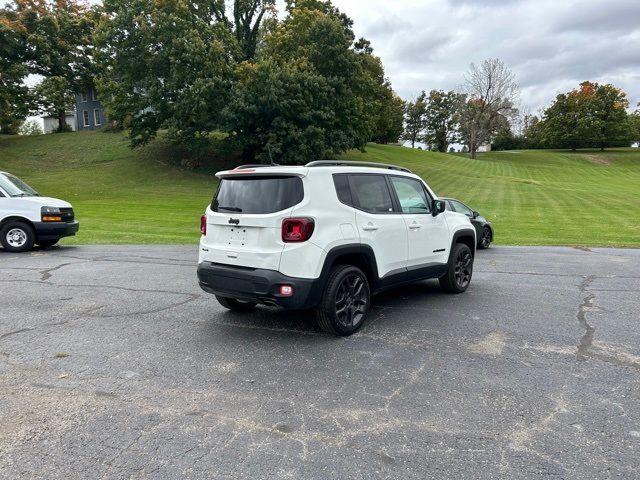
231,209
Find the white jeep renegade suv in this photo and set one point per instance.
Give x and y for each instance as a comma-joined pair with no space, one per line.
328,235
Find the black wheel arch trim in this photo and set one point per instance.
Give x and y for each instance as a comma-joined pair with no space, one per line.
351,249
464,233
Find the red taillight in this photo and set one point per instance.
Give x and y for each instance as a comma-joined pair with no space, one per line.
297,229
203,224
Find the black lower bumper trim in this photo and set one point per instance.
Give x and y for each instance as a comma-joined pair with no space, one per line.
258,285
53,230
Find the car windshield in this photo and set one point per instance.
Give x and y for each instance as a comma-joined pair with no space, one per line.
16,187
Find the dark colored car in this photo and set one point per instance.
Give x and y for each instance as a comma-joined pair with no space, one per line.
484,230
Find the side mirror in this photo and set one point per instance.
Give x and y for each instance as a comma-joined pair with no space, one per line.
437,207
475,214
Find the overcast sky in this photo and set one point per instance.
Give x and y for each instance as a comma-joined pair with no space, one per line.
551,45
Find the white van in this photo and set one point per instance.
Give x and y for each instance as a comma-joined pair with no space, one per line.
26,218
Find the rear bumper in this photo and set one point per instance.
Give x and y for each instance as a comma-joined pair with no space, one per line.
53,230
258,285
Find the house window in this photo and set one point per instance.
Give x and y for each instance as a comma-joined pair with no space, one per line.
85,117
94,95
96,117
84,96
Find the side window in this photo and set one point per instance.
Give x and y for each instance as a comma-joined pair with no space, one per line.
341,183
460,208
448,205
370,193
411,195
1,194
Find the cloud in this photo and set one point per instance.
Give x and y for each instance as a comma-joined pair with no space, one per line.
551,46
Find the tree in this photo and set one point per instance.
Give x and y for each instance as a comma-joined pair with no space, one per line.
591,116
57,35
30,127
491,93
305,97
533,132
247,24
634,123
385,108
165,65
414,119
388,126
442,119
14,95
54,96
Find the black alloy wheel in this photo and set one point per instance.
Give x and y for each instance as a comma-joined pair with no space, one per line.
485,239
463,268
459,270
345,302
351,301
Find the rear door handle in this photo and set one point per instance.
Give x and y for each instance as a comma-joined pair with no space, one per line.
370,227
414,226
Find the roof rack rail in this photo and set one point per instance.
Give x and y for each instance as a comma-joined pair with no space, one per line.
347,163
255,165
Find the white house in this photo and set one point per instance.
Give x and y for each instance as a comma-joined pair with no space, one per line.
50,123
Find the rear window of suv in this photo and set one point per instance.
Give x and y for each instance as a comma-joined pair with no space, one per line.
257,195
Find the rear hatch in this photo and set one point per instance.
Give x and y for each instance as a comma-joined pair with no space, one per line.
244,221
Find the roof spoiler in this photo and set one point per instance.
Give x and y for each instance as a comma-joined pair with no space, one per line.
347,163
255,165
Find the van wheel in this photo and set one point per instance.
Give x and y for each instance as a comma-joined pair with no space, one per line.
47,243
345,302
17,237
459,270
235,305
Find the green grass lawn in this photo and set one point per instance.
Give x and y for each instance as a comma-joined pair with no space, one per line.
532,197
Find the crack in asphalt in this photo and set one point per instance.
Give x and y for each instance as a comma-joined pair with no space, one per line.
16,332
153,260
585,348
46,273
586,341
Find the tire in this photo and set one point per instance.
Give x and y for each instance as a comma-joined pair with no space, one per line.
459,270
345,302
47,243
485,238
17,237
235,305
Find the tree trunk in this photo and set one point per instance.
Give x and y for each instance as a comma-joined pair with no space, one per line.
62,121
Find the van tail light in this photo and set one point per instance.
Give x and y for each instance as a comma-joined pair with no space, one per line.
203,224
295,230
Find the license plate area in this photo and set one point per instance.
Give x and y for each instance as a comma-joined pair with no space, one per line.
238,236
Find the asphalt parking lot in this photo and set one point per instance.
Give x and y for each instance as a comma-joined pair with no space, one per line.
114,364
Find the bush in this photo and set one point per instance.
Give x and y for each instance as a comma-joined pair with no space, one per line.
30,127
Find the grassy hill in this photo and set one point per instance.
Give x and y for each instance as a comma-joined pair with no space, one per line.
532,197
